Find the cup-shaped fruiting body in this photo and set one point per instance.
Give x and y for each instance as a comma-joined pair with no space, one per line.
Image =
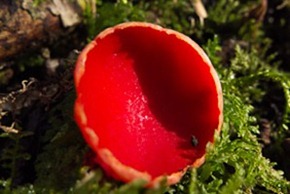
148,102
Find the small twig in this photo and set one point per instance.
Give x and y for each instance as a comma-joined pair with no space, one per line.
283,4
10,98
25,84
200,10
12,95
259,12
10,129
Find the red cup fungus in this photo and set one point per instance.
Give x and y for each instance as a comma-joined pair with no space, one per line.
148,102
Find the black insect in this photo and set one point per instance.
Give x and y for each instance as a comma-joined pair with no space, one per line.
194,141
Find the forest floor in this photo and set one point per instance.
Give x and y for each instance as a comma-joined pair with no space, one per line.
248,42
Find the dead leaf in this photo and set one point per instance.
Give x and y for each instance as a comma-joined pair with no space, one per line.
66,11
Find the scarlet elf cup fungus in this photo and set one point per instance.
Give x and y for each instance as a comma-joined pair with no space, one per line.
148,102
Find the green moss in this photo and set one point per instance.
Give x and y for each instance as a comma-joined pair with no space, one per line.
57,167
